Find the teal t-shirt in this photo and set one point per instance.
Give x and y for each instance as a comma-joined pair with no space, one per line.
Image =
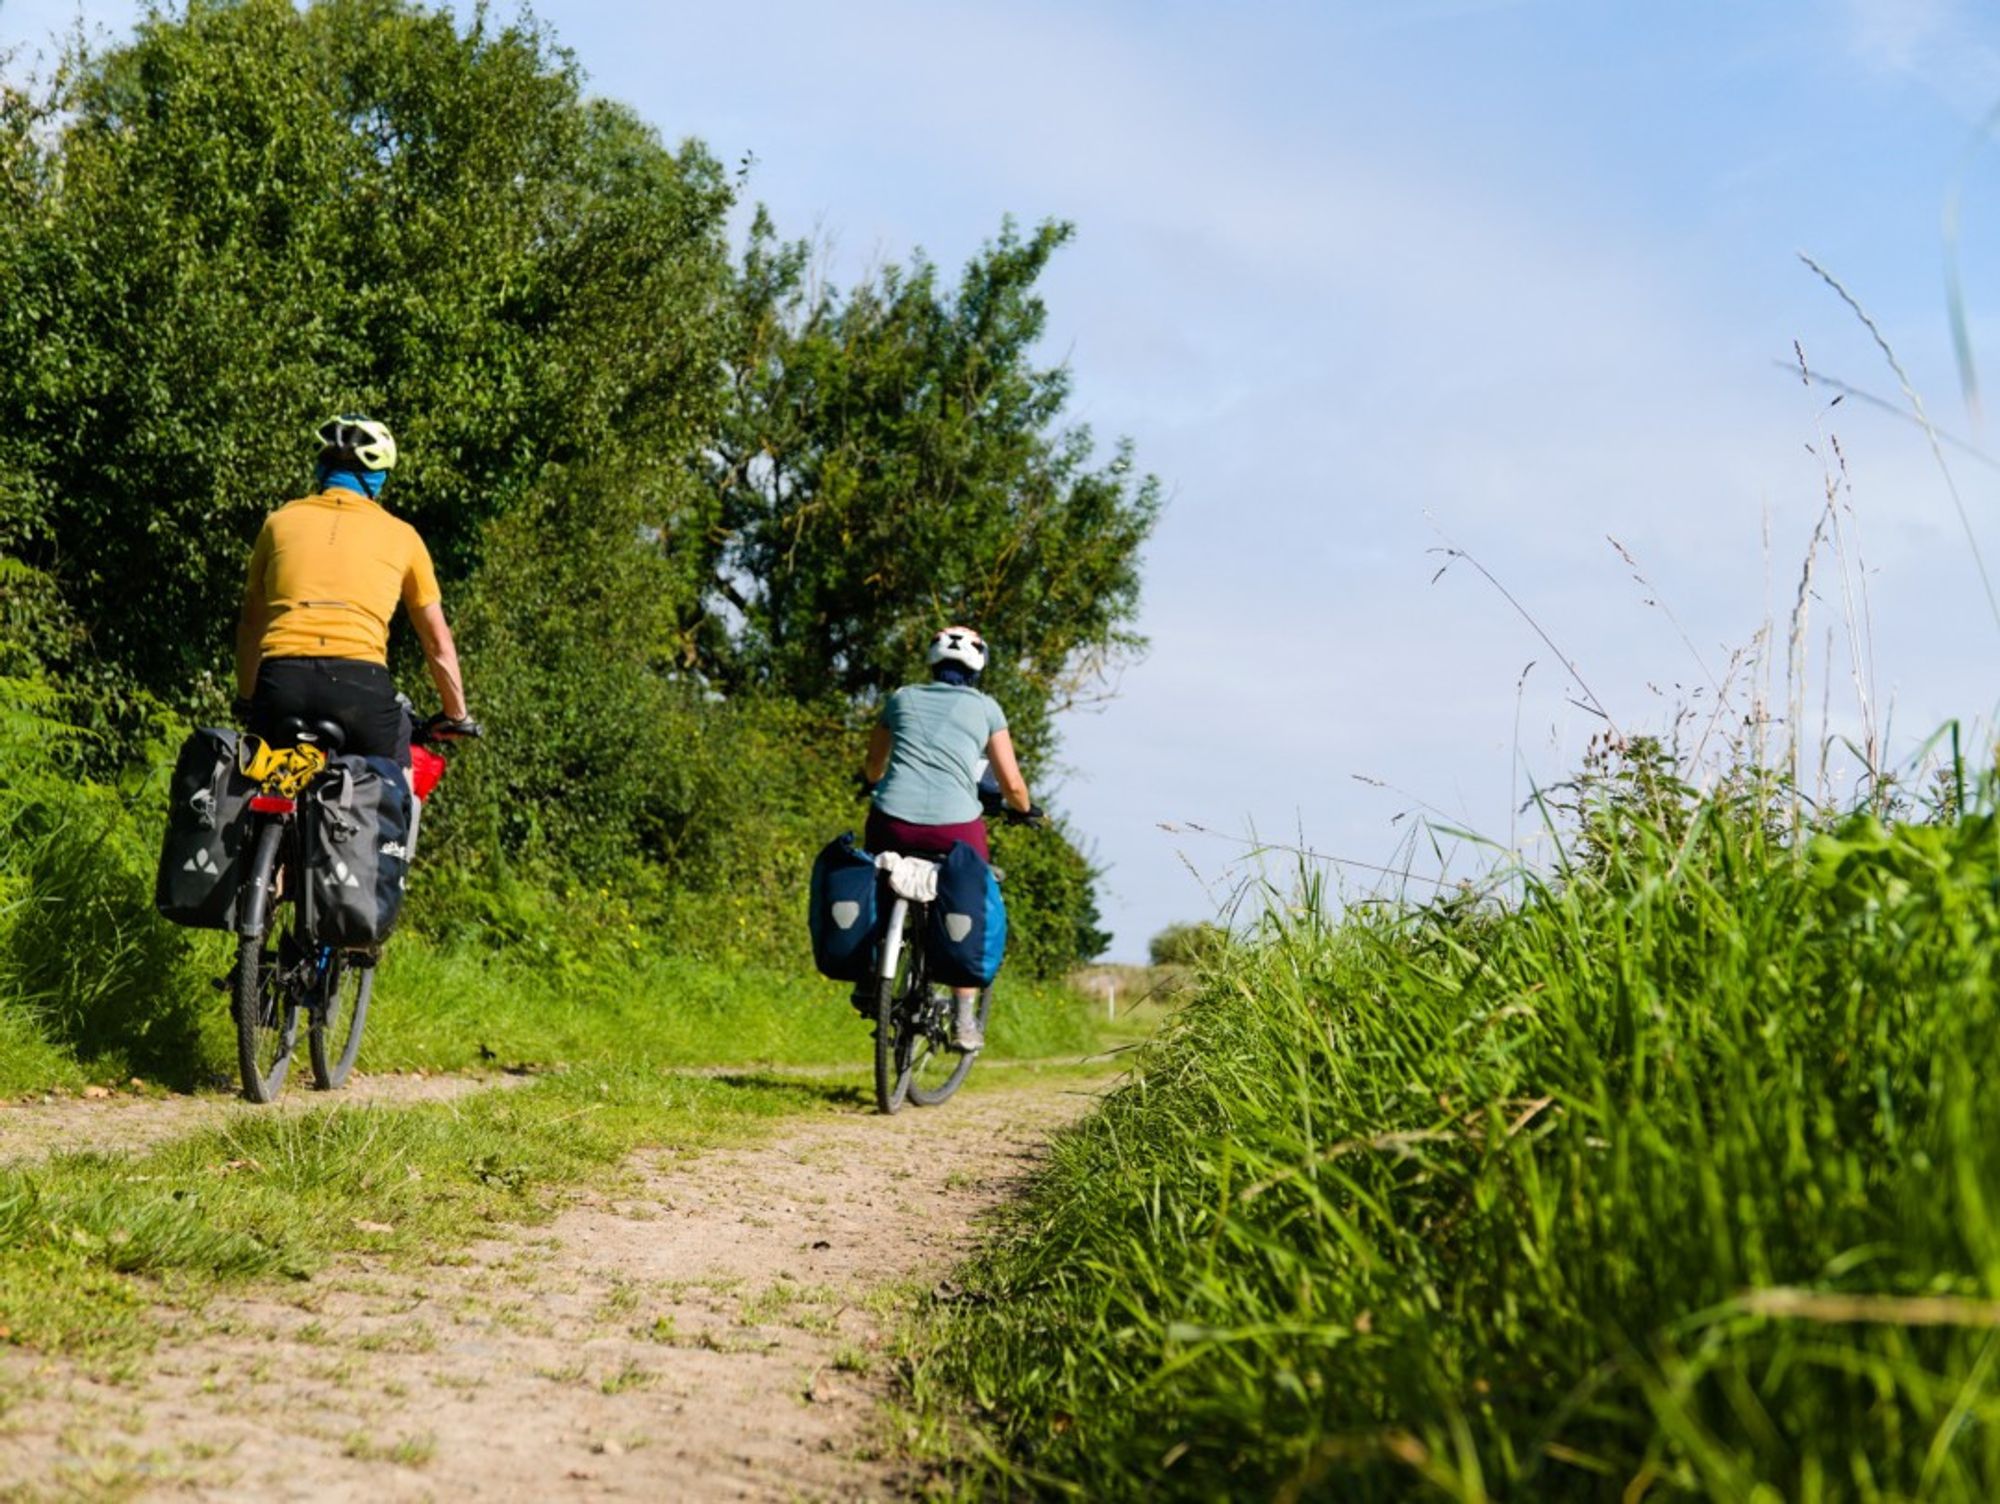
939,734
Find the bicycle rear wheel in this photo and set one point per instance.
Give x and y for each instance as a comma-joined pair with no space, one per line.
339,1012
267,1015
935,1068
892,1015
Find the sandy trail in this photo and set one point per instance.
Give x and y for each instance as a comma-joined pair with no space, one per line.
710,1329
125,1123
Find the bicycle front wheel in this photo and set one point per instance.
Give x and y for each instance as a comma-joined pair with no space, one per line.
267,1015
936,1068
339,1012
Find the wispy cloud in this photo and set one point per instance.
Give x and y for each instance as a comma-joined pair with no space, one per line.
1944,45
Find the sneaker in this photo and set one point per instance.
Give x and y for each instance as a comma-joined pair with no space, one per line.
966,1035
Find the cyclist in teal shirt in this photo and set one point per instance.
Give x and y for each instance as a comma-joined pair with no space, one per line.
924,762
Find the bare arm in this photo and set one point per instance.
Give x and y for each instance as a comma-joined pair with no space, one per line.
1007,772
880,744
442,654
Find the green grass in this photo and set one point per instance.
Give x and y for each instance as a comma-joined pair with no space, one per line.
461,1008
95,987
88,1243
1678,1178
464,1007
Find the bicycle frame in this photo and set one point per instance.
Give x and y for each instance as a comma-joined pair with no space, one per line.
892,939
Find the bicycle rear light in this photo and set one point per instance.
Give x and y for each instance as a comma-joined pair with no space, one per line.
272,804
426,768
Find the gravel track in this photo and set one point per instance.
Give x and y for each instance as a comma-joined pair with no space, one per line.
712,1328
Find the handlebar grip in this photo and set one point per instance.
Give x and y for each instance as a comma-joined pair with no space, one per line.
1031,816
448,728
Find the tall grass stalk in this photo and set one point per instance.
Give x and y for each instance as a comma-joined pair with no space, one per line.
1633,1188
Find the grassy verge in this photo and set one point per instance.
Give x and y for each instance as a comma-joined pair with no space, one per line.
95,987
457,1008
89,1244
462,1006
1676,1178
465,1007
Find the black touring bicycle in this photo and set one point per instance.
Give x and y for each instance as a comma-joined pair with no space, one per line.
301,853
901,959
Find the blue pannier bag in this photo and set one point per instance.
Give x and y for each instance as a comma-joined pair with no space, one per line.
968,921
845,917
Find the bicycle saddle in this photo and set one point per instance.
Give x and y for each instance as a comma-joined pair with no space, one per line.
325,735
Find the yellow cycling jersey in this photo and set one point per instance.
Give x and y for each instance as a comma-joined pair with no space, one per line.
325,576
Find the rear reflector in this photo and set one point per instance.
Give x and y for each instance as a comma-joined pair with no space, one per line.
426,768
272,804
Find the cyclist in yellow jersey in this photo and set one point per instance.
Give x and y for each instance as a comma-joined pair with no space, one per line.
326,575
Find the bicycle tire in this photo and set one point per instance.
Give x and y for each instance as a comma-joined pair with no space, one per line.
891,1085
930,1096
333,1037
267,1016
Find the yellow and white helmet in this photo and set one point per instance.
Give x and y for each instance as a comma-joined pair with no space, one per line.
357,440
958,645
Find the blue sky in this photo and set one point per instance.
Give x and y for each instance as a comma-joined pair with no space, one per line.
1360,277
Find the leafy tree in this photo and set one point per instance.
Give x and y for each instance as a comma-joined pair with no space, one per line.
692,517
254,214
892,460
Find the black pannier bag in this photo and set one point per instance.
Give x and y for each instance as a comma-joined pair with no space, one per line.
358,849
208,830
968,921
845,917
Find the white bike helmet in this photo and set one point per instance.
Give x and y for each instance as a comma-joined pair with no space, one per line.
353,439
958,645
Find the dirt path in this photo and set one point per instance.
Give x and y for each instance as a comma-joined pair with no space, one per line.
121,1122
712,1329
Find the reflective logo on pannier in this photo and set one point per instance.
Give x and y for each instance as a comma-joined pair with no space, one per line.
845,913
958,926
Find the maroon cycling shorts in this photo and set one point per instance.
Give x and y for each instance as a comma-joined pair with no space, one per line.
887,833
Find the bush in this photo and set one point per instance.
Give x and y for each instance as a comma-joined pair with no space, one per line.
90,978
1187,944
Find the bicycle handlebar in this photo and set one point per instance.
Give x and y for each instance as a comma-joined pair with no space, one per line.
444,728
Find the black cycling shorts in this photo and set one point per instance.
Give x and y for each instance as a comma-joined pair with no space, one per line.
355,695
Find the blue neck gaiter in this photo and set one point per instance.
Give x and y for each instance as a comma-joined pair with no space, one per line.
367,482
954,673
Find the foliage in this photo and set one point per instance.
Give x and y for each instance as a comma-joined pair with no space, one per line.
253,214
1188,944
890,462
90,979
94,986
1675,1178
